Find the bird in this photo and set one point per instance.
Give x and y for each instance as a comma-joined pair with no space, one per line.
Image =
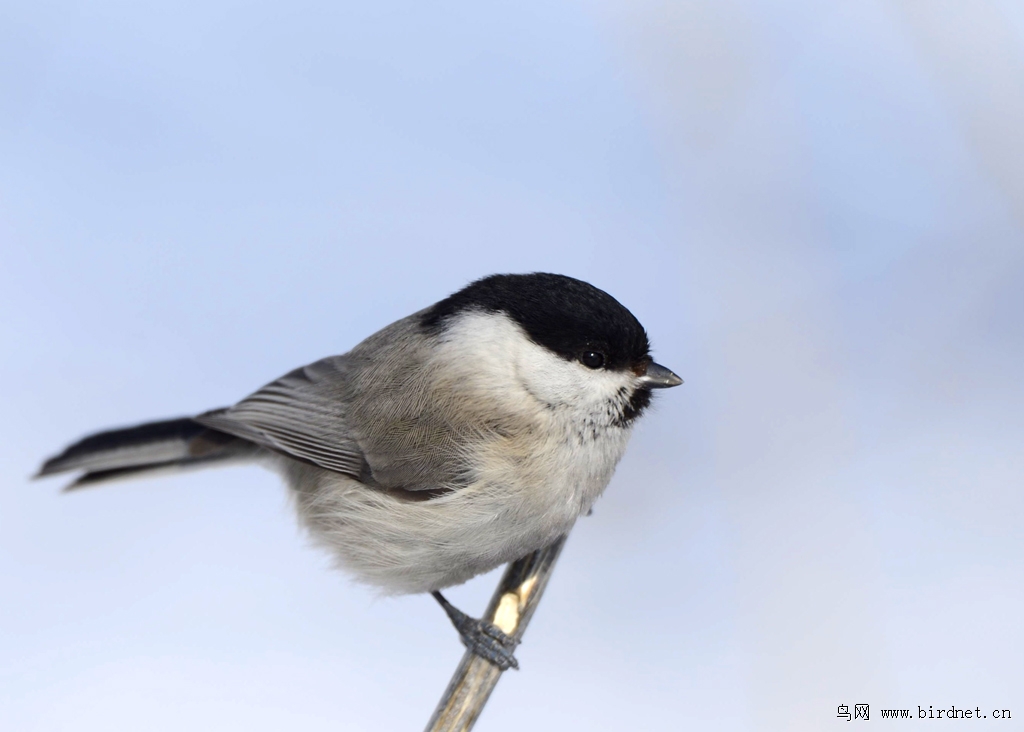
457,439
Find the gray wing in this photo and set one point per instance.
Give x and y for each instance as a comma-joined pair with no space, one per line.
377,414
304,415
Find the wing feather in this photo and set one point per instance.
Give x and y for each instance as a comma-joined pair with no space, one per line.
302,415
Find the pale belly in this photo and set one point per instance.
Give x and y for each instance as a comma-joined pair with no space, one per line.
402,546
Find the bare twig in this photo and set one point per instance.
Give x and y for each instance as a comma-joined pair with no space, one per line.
511,608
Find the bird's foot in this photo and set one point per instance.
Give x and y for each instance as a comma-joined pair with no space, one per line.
482,638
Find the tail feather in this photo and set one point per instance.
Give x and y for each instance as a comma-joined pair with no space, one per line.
145,448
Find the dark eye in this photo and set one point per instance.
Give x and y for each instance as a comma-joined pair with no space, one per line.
592,359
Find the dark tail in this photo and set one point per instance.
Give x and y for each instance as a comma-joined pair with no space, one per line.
147,448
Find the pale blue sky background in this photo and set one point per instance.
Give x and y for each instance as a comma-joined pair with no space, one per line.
816,209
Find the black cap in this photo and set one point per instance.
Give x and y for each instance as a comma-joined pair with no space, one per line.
565,315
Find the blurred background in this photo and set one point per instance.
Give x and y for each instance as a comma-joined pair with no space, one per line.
816,209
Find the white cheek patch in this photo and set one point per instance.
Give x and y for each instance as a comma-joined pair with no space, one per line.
494,354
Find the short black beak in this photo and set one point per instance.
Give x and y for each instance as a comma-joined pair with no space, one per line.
659,377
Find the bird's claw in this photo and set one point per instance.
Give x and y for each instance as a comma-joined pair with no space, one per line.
482,638
490,642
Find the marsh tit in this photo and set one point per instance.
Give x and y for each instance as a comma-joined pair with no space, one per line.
461,437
